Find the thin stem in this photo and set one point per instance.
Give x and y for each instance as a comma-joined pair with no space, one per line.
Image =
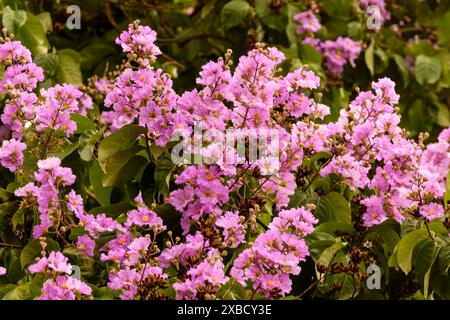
10,245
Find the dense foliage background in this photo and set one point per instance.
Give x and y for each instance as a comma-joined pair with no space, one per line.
412,48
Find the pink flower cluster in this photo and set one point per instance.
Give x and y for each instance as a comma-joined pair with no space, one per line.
407,179
276,254
337,52
59,287
201,264
45,191
23,109
222,202
11,154
307,22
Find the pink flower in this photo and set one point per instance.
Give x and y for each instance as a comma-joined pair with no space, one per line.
307,22
2,271
11,154
432,211
233,230
86,245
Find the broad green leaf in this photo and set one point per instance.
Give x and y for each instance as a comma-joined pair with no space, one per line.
276,21
48,61
68,70
29,252
163,171
102,194
425,254
297,198
369,57
444,259
385,235
113,210
87,142
46,20
83,123
403,67
125,160
309,54
26,291
234,13
69,148
32,35
406,247
335,227
334,207
13,19
116,141
327,255
427,69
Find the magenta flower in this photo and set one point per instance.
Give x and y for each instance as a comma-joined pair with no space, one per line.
11,154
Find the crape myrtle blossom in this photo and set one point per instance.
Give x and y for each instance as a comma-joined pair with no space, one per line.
11,154
337,52
407,179
23,109
2,271
235,221
307,22
276,254
61,286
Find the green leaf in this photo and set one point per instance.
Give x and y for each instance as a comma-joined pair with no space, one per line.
32,35
102,194
403,67
327,255
163,171
406,247
29,252
18,218
232,290
68,70
87,143
46,20
297,198
334,207
335,227
425,254
444,29
122,160
48,61
444,259
13,19
113,210
234,13
309,54
386,235
276,21
26,291
369,57
354,29
83,123
443,115
117,141
262,7
427,69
